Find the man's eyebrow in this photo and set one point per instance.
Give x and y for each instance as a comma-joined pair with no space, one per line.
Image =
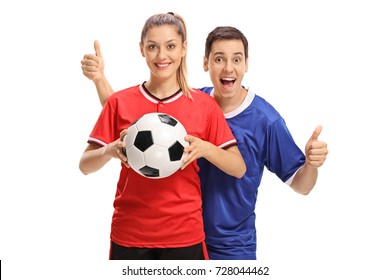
221,53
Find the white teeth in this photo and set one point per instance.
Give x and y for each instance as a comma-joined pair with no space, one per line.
228,79
163,65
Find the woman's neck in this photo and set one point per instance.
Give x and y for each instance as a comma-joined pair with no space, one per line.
162,89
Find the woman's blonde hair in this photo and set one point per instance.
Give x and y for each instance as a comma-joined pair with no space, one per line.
177,21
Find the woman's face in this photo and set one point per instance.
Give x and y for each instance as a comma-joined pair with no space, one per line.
163,50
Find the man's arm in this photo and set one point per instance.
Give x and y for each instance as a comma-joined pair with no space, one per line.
316,152
93,68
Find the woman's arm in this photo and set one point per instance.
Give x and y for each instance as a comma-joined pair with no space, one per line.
95,157
228,160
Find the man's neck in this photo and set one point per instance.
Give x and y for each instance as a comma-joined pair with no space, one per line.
230,103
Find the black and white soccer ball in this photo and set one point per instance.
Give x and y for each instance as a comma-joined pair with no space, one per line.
155,145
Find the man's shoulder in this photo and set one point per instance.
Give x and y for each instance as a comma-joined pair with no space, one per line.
207,90
125,93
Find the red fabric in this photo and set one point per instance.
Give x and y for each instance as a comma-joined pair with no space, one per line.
160,213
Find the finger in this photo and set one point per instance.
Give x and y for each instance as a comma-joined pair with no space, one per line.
91,58
318,145
87,68
316,133
317,157
188,138
96,46
124,161
188,149
318,152
122,155
187,161
316,161
316,164
123,134
90,61
184,165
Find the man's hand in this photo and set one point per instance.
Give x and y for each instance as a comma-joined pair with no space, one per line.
316,150
93,64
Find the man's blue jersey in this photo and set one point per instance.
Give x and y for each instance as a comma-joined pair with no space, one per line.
228,202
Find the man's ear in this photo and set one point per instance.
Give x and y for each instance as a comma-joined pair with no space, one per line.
205,64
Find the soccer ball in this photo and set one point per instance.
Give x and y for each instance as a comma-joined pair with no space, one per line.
155,145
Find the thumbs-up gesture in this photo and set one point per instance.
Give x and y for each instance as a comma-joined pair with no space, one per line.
316,150
93,64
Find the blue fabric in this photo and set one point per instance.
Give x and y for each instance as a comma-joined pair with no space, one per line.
228,202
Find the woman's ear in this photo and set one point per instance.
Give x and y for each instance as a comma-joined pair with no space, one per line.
141,49
184,52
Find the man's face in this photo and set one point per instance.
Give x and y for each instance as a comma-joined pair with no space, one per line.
227,65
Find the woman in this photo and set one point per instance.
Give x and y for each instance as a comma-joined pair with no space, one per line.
162,219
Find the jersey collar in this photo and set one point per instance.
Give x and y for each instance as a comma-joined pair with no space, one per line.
156,100
245,104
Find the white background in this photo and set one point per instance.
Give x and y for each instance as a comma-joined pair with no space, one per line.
317,62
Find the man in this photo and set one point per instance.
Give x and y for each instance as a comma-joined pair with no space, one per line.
263,140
